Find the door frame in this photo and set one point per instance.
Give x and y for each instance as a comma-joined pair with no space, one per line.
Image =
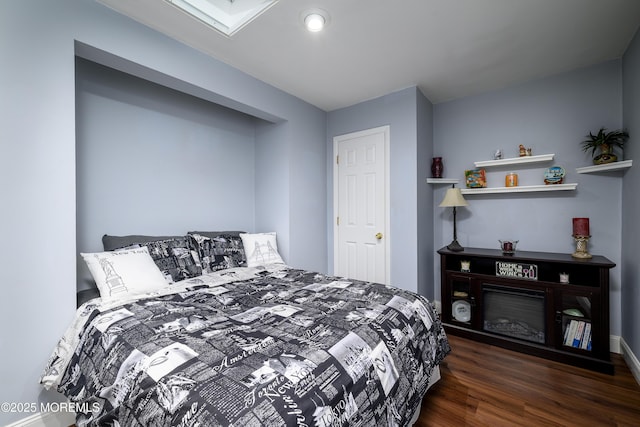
386,131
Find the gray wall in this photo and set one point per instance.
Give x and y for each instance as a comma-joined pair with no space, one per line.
630,199
550,115
398,110
37,166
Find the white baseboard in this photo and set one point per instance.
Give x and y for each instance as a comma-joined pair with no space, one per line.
614,344
46,419
631,359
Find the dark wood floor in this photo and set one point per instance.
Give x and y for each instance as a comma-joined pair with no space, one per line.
483,385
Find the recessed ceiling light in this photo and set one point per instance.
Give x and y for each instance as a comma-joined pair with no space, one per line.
315,19
314,22
226,16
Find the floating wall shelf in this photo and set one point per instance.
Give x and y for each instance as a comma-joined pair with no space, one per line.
520,189
625,164
442,181
515,161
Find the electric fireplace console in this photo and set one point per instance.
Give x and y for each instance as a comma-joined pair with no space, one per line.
549,305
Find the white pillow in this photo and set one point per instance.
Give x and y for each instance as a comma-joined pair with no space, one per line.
125,272
261,249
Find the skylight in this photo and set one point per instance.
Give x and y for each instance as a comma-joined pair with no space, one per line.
226,16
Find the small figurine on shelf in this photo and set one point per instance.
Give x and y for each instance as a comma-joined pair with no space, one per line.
524,151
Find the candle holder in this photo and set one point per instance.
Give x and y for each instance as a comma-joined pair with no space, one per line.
581,247
508,247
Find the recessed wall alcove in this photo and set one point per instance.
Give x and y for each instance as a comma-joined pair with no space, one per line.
151,159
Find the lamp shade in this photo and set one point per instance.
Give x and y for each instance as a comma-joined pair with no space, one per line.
453,198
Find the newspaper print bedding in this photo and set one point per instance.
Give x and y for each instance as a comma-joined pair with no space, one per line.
251,347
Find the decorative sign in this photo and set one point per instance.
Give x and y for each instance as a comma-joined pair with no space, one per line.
516,269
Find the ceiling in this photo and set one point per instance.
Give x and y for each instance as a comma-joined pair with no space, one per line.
448,48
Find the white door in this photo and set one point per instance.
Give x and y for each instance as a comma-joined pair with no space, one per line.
361,230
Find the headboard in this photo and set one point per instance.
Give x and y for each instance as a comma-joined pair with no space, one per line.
85,295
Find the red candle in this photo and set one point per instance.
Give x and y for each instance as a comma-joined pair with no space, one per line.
581,226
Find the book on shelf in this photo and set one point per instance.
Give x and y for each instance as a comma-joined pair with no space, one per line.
585,344
577,334
569,332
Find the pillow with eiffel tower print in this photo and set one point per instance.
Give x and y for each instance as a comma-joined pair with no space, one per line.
261,249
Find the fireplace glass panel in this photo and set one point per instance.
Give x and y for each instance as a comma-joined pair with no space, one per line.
517,313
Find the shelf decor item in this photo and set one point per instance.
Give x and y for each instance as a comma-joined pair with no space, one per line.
511,180
581,237
461,310
475,178
437,167
508,247
580,226
554,175
523,151
604,142
453,198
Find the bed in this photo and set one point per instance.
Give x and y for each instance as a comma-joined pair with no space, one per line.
242,342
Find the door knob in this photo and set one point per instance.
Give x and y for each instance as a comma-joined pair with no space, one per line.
378,236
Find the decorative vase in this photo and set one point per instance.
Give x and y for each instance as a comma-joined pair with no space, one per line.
606,155
437,167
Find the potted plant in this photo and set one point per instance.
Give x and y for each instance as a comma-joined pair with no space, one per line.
604,143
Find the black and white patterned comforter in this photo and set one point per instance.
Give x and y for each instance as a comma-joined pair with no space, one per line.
251,347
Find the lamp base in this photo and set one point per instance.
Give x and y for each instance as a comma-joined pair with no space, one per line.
455,246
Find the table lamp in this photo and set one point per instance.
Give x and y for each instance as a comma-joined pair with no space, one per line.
452,199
